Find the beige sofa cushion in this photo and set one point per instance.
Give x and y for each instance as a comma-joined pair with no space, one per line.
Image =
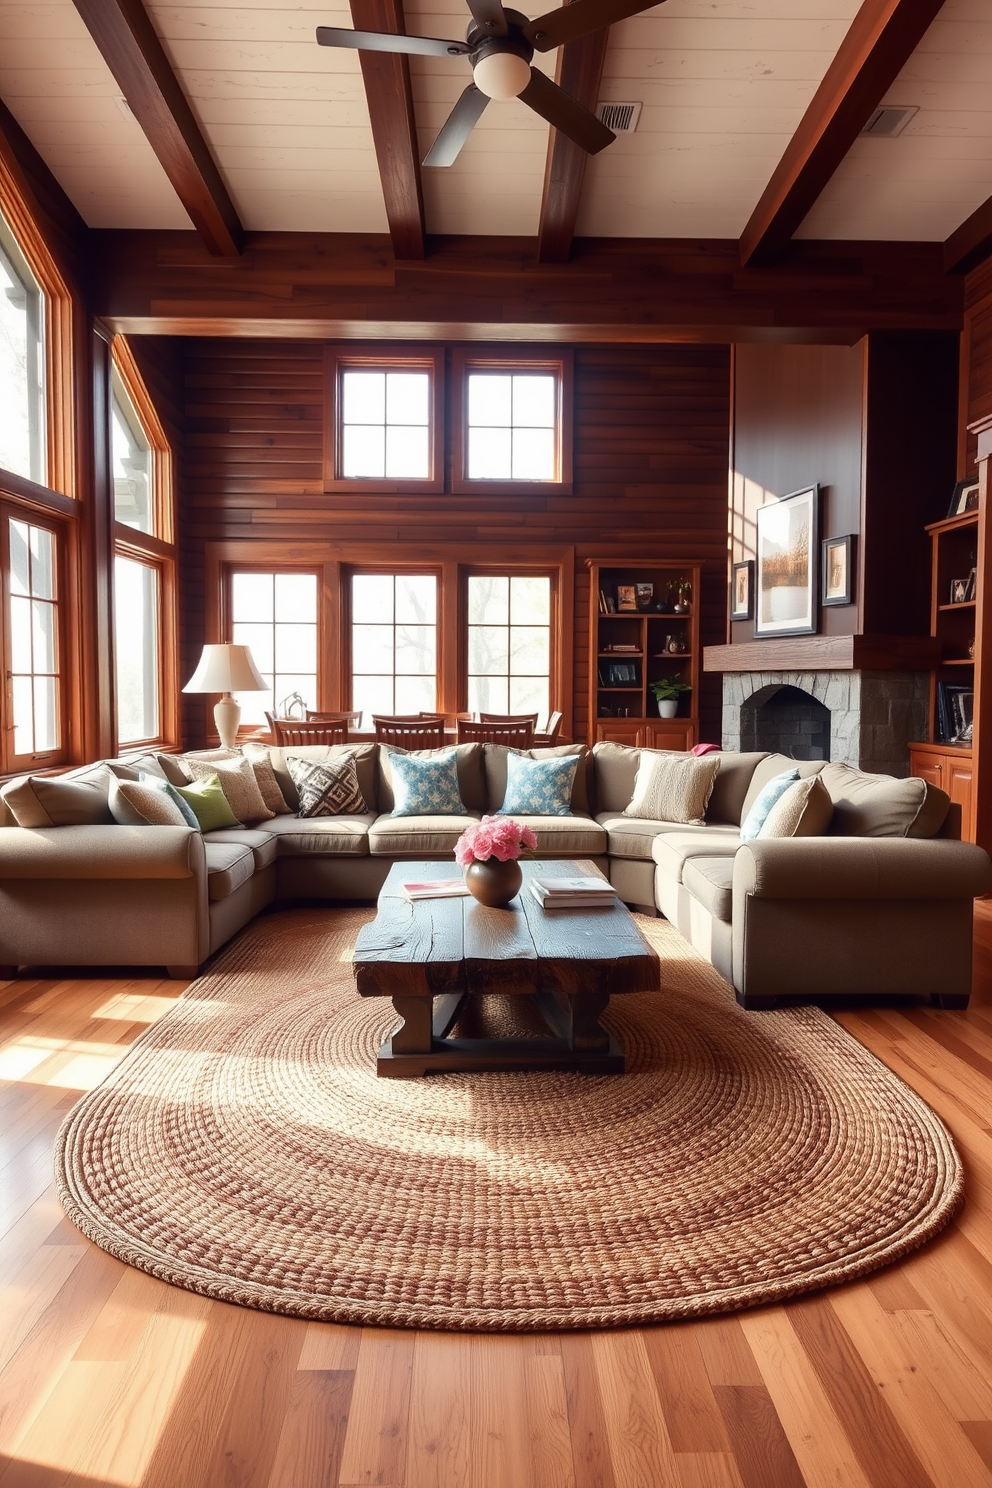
229,865
468,763
80,800
307,836
633,837
568,835
880,806
711,881
804,810
733,781
672,850
766,769
616,770
495,769
261,843
364,756
406,836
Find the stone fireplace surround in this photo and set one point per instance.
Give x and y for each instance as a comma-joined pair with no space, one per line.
873,714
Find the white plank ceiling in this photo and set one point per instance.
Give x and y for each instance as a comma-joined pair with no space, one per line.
723,85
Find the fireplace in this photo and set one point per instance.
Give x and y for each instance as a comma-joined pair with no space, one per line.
785,720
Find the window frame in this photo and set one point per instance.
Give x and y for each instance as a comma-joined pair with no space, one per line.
352,356
560,364
550,571
391,570
43,760
259,566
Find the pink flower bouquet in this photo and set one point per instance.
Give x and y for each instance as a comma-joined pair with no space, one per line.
494,837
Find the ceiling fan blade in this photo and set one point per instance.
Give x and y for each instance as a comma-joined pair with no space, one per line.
457,127
384,41
561,110
490,15
578,19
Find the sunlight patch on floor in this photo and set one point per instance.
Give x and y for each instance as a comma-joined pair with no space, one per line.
134,1007
66,1064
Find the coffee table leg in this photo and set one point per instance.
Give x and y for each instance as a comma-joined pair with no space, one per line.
585,1031
417,1031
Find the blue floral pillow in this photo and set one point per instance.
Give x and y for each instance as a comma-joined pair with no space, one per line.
426,787
538,787
764,801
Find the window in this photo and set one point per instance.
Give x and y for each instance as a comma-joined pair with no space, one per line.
131,454
512,422
383,430
22,364
275,616
393,643
32,662
509,643
137,650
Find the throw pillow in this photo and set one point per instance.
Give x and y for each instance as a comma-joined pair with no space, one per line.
136,805
155,782
425,787
763,803
803,810
209,803
237,781
49,801
330,789
880,806
538,787
268,785
175,767
673,787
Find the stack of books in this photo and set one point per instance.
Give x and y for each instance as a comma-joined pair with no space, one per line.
572,893
438,888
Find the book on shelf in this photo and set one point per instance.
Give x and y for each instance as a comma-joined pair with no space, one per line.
439,888
621,648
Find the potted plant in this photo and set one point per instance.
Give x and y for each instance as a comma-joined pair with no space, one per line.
667,690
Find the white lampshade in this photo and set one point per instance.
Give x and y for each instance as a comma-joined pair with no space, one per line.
226,669
501,75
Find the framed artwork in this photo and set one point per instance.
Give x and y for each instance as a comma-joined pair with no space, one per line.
964,498
626,597
742,590
786,566
645,594
838,570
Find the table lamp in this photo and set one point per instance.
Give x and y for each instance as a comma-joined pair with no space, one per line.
226,669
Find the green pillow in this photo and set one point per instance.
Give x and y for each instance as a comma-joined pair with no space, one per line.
209,803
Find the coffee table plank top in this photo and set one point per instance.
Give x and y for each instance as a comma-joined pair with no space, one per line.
435,946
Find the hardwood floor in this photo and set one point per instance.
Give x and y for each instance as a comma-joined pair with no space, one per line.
110,1379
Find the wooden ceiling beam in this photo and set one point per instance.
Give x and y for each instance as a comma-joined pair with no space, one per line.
394,127
971,243
579,72
882,38
131,49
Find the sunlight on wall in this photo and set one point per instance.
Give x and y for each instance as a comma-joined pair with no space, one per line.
748,495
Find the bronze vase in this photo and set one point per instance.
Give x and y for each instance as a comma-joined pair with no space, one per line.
494,883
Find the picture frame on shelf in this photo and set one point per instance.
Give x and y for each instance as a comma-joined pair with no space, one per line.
742,590
955,713
645,595
787,564
626,598
837,578
964,498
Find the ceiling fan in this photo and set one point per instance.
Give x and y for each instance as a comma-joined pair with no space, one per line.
499,45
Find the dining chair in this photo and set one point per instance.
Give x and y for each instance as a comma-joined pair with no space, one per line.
349,719
547,737
516,734
530,718
298,731
404,731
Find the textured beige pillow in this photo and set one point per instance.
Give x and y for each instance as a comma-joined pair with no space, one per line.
269,785
881,806
134,805
804,810
175,767
237,781
673,787
50,801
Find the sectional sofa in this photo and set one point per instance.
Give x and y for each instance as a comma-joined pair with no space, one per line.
879,903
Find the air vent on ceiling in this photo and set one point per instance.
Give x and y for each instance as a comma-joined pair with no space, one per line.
889,120
620,117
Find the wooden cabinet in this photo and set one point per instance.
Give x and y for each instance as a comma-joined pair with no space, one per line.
654,635
949,767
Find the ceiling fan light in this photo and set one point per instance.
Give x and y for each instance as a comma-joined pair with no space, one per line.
501,75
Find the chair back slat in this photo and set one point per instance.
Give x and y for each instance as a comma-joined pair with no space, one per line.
406,731
351,720
296,731
517,735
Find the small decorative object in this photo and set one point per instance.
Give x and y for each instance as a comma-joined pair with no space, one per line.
964,498
489,851
742,590
959,591
683,597
786,568
971,648
664,606
226,669
626,597
645,594
293,706
838,570
667,691
675,645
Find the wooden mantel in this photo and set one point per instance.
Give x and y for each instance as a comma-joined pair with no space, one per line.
841,653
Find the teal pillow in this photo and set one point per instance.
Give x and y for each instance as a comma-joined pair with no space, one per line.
763,803
538,787
157,783
426,787
209,803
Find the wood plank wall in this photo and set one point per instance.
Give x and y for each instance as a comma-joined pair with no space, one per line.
978,360
650,478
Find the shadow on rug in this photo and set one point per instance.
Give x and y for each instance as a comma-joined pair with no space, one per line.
245,1149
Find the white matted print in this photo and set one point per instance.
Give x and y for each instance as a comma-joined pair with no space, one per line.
786,565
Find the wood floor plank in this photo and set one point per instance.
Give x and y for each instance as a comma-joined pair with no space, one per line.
726,1353
376,1439
586,1423
708,1470
964,1387
691,1413
979,1433
330,1346
547,1422
761,1448
501,1453
440,1423
640,1448
311,1442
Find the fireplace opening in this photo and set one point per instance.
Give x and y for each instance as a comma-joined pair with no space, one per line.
786,720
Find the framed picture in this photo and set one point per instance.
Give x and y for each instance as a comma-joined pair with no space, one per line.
742,591
626,597
645,594
955,713
787,567
837,580
965,497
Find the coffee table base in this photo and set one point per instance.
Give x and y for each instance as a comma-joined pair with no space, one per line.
576,1039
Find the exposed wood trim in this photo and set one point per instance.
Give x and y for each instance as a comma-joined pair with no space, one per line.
971,243
130,46
394,128
507,359
826,653
882,37
338,358
579,71
29,494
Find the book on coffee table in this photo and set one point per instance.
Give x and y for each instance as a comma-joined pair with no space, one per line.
572,893
439,888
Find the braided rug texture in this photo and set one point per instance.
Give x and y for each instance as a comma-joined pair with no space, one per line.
245,1149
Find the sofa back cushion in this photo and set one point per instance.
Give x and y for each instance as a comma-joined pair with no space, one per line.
364,756
772,765
468,766
135,805
495,773
881,806
60,800
731,787
616,770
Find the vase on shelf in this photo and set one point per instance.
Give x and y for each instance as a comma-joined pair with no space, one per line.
492,882
668,707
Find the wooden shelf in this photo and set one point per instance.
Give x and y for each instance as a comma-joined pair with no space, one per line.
964,604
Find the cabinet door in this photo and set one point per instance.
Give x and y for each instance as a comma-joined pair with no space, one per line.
678,733
620,731
958,785
928,767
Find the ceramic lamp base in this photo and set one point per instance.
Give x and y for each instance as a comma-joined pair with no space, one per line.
227,716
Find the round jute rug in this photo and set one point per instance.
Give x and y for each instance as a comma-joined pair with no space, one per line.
245,1149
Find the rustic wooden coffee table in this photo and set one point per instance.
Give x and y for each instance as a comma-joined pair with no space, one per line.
431,955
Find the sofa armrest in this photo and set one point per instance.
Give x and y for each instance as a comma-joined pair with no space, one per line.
101,852
861,868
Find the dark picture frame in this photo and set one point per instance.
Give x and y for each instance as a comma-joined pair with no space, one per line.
965,497
787,565
837,570
742,590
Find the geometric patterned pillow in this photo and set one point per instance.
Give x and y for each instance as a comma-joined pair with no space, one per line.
328,789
